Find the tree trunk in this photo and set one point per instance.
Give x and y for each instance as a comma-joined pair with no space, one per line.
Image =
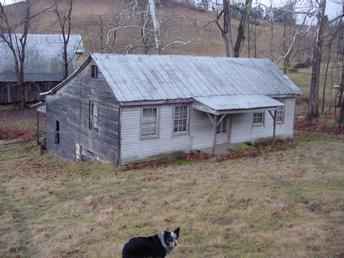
227,27
227,44
101,32
153,10
241,28
340,119
341,113
323,102
255,37
272,39
65,59
21,88
284,47
248,37
313,101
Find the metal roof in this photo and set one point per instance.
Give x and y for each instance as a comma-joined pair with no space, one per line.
161,77
44,61
225,104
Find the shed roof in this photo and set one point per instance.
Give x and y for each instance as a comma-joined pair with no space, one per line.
237,103
162,77
44,61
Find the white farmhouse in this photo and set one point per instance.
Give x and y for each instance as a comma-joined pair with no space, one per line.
123,108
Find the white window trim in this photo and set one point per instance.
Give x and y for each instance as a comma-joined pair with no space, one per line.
261,124
187,131
281,122
157,135
93,115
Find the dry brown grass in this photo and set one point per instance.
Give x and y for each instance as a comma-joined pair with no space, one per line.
177,23
282,204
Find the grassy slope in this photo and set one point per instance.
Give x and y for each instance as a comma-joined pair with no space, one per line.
285,204
177,23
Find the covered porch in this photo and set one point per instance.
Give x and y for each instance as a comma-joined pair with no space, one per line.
218,108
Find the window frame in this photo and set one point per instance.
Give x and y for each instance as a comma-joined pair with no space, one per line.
258,124
280,110
94,71
93,116
157,123
57,139
187,126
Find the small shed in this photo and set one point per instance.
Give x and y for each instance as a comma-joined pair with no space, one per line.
123,108
44,65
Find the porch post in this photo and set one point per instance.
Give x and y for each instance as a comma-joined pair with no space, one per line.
274,132
214,136
213,121
274,116
37,127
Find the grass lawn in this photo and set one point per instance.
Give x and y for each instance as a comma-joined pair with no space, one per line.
282,204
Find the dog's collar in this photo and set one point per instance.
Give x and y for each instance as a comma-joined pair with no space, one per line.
162,241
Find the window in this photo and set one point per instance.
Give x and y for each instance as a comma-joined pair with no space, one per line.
94,71
78,151
222,127
259,119
149,122
180,119
57,132
280,115
93,115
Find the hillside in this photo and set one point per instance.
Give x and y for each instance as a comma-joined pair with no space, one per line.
178,22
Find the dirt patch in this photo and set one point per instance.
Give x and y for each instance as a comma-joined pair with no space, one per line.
13,133
17,125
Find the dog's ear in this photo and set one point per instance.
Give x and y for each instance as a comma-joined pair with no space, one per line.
177,232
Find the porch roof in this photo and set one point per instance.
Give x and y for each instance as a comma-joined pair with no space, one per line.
234,103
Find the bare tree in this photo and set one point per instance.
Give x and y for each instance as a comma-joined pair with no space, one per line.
255,37
241,29
271,20
17,42
63,11
288,46
248,37
149,23
154,17
223,22
338,28
313,101
101,33
340,119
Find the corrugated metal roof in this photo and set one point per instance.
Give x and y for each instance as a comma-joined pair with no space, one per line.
238,102
160,77
44,61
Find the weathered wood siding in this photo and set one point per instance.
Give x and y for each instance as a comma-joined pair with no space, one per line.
240,129
70,106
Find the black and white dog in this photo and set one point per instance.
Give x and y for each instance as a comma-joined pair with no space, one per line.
156,246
